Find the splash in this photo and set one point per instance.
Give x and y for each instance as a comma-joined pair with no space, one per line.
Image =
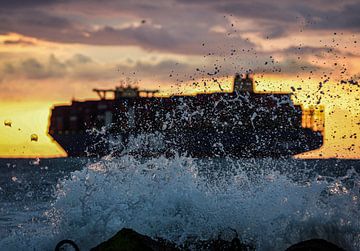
184,199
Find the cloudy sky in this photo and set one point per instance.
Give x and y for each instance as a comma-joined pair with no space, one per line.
52,51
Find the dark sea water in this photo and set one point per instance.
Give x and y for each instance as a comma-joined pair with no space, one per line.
270,203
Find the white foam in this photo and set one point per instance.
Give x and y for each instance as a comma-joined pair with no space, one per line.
175,199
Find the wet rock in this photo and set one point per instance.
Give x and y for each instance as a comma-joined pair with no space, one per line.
315,245
129,240
221,245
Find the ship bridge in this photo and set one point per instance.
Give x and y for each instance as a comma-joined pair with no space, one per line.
125,92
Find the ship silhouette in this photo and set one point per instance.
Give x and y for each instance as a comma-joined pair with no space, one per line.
241,123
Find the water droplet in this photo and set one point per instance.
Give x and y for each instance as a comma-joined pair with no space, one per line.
34,137
7,123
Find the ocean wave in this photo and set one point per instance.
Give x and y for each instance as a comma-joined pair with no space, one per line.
182,199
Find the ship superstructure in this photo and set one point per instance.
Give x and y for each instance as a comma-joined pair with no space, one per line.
241,123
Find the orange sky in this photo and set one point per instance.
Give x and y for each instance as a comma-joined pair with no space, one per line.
342,122
27,118
37,73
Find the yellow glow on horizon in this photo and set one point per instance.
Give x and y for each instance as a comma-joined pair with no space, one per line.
26,118
342,111
341,135
32,117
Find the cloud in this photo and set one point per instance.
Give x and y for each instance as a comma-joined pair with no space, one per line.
288,66
81,67
280,17
152,37
167,71
78,59
179,30
18,42
19,4
320,52
344,18
32,68
180,26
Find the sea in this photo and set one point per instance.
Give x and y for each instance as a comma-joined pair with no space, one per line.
268,203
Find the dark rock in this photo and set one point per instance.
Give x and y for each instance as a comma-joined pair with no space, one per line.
315,245
129,240
221,245
64,243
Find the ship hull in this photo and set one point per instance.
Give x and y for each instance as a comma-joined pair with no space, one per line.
195,144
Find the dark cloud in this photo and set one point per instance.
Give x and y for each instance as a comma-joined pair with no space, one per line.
37,24
19,4
32,68
145,36
8,68
178,38
319,52
265,10
175,26
18,42
81,67
78,59
279,16
345,18
178,26
287,66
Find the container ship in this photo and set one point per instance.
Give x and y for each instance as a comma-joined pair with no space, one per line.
240,123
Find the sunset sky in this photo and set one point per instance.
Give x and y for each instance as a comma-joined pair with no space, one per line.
54,51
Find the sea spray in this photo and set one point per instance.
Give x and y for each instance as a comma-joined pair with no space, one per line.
184,200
